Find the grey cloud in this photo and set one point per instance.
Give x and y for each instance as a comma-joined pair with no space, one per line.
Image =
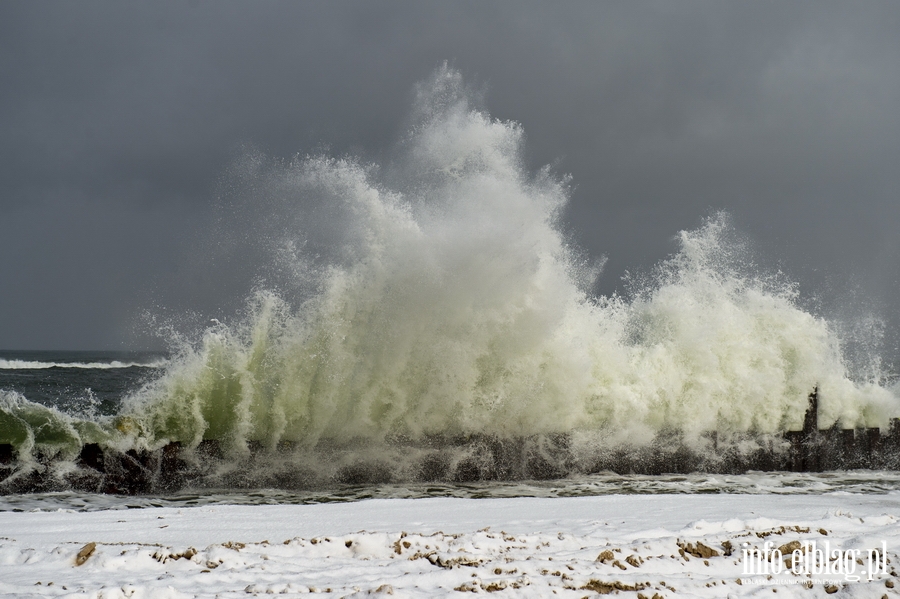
119,121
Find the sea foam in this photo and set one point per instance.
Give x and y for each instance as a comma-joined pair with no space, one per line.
454,305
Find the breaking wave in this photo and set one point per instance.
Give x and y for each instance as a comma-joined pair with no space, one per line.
437,299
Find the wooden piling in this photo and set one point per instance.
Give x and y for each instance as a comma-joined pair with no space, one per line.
7,454
874,447
848,446
811,456
92,456
891,446
796,458
171,467
892,440
811,418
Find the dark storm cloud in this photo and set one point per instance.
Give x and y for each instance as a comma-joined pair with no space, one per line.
118,120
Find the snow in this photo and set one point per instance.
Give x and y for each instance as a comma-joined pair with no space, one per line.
626,545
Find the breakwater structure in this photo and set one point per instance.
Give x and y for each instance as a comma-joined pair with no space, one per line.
452,459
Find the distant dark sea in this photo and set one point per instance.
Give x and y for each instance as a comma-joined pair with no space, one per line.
77,381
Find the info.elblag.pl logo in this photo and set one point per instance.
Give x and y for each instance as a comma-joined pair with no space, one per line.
810,558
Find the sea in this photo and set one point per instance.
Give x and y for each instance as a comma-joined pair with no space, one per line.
94,384
428,327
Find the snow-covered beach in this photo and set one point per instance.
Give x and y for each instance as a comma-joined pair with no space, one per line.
631,545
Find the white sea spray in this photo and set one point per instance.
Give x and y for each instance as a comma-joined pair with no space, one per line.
436,300
455,306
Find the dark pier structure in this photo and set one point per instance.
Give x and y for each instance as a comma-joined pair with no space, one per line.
816,450
458,459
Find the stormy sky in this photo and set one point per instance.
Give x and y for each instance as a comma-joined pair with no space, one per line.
118,123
